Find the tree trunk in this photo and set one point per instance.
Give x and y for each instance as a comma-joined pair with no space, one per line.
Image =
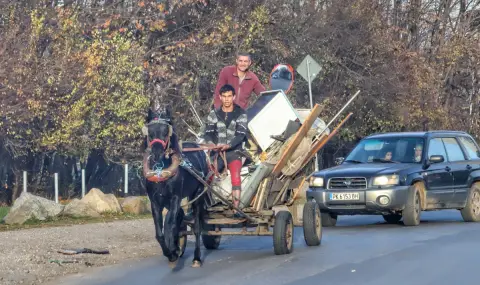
16,186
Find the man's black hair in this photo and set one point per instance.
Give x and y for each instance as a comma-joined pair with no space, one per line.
227,87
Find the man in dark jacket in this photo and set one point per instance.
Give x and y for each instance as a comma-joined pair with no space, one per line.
227,128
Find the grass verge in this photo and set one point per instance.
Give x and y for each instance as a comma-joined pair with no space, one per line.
3,212
68,221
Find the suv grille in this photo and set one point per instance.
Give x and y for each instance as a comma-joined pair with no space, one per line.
347,183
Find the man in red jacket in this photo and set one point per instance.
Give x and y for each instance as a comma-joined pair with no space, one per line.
242,79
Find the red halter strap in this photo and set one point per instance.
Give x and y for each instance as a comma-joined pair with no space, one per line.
164,143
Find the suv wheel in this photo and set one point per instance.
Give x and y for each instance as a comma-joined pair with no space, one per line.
329,219
471,212
413,207
392,218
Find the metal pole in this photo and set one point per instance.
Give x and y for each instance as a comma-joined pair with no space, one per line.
309,84
311,101
24,181
56,188
339,112
126,178
83,183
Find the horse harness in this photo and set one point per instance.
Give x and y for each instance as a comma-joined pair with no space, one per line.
161,175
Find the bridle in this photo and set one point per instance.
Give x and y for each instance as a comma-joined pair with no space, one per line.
165,143
159,174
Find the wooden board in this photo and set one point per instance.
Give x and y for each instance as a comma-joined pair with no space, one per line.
320,143
324,139
302,132
225,221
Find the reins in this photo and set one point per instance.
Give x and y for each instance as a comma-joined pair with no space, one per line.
213,167
154,175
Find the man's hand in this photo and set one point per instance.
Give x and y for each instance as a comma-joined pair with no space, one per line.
223,147
210,145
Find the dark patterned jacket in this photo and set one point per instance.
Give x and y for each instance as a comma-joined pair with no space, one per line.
218,132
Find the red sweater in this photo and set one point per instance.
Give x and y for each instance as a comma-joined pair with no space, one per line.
251,83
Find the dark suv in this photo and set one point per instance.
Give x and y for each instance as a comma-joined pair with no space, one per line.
401,174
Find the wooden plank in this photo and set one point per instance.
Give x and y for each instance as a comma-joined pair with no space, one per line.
225,221
301,133
240,233
320,143
314,149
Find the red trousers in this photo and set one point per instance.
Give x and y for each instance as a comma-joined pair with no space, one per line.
234,164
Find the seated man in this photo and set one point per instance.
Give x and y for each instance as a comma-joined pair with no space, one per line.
227,128
418,153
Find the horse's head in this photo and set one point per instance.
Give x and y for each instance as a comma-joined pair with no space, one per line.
159,130
159,136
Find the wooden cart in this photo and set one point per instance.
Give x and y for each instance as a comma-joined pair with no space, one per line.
268,214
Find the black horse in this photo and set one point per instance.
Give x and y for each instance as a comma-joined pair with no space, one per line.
168,183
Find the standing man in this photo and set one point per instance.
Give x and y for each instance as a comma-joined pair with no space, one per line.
241,78
226,128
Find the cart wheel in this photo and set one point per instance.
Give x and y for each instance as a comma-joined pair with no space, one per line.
211,242
283,233
312,224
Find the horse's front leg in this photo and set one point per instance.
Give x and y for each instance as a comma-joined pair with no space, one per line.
173,222
197,231
157,209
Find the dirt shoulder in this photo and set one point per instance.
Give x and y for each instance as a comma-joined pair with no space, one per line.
25,255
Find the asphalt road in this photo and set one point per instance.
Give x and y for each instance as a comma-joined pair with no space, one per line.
360,250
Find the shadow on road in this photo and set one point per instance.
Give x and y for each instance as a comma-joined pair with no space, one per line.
428,219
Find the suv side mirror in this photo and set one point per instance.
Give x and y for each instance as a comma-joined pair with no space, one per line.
436,159
339,160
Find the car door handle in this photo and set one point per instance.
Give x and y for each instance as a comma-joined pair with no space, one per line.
469,167
448,168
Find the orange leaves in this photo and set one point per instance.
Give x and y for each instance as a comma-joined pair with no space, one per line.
107,23
158,25
141,4
139,26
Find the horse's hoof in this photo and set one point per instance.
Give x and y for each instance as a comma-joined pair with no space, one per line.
172,264
196,264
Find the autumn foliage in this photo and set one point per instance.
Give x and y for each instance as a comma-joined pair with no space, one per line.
81,76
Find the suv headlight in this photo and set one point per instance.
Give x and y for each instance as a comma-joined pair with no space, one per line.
385,180
316,181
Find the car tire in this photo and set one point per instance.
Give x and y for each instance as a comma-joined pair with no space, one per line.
312,224
413,208
471,212
329,219
392,218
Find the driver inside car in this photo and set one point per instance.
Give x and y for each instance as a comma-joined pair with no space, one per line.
388,156
418,152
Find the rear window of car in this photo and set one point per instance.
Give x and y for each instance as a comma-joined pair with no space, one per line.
470,147
453,149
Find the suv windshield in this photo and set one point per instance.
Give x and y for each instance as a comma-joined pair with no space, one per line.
388,150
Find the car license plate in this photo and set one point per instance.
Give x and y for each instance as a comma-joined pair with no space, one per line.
344,196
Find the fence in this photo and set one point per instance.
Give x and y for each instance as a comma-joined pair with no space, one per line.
56,179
